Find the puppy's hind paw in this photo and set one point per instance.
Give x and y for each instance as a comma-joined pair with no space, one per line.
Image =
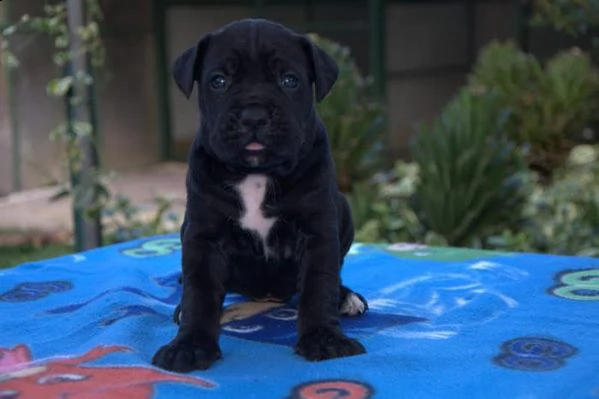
353,305
185,355
323,344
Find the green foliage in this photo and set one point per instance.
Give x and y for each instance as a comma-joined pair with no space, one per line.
471,174
559,218
468,181
353,117
564,216
549,107
79,183
574,17
469,185
512,73
15,255
130,222
381,207
53,23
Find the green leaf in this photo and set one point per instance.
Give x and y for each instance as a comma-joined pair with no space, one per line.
464,164
59,87
9,60
10,30
82,129
61,58
61,42
63,193
85,78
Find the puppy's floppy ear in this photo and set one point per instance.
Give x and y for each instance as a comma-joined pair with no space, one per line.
187,68
324,68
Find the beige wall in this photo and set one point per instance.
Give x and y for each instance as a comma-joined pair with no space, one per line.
128,93
37,114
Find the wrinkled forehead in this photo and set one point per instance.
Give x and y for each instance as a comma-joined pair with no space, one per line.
259,45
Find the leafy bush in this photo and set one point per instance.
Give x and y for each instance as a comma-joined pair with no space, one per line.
468,181
550,107
574,17
353,117
560,218
127,221
471,175
564,216
382,210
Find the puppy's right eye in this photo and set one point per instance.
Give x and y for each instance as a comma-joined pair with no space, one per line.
218,82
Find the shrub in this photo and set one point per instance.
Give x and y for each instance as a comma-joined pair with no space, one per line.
468,182
561,218
574,17
550,107
125,220
353,118
382,208
472,177
564,216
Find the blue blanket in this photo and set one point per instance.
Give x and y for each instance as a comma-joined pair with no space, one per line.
443,323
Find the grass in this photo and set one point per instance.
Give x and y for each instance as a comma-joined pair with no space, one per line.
15,255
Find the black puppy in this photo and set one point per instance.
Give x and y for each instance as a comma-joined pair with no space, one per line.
264,217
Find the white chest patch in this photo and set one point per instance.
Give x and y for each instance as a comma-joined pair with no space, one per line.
253,191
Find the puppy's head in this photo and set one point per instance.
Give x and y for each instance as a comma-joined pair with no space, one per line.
257,84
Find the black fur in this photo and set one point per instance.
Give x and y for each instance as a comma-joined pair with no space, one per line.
314,230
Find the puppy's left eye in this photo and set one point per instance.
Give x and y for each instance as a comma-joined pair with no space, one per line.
289,81
218,82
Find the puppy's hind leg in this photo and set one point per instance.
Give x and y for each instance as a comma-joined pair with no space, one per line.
351,303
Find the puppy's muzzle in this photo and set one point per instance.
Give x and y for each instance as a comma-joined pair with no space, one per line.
254,123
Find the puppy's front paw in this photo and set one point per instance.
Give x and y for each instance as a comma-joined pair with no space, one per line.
323,344
185,354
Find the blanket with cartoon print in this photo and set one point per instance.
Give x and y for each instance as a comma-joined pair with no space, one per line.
443,323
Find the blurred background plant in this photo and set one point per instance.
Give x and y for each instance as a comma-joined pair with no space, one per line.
578,19
563,217
468,181
472,177
353,118
382,207
574,17
78,183
126,220
507,164
550,107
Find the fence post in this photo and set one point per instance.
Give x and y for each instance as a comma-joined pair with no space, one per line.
87,229
377,45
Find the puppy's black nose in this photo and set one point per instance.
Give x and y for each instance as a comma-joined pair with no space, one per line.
253,117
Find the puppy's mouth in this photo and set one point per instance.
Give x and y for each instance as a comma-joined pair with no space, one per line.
255,146
254,153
